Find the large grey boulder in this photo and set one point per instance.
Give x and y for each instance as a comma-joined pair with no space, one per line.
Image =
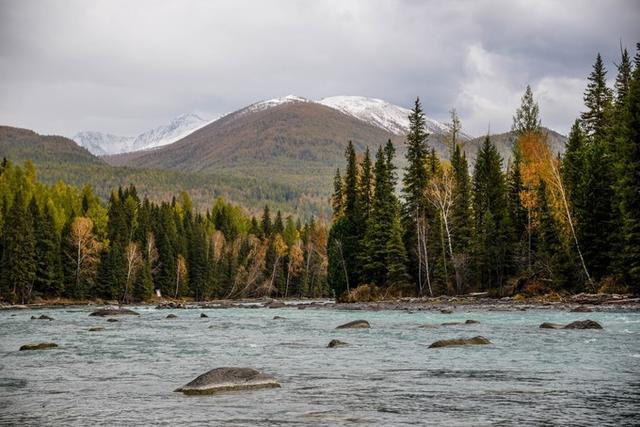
460,341
356,324
229,379
548,325
336,343
114,312
583,324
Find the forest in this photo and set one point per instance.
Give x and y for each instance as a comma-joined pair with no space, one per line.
58,241
543,223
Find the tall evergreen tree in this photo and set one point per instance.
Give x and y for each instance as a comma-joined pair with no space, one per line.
19,257
527,118
597,99
48,278
366,186
337,199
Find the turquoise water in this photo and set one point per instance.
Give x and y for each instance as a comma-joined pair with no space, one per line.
126,374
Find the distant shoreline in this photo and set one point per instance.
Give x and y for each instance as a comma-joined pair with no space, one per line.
590,302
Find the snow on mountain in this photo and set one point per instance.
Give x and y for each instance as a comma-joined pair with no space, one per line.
270,103
380,113
99,143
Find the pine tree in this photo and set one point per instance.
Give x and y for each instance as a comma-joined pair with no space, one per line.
48,279
397,276
628,180
527,118
266,222
414,186
278,224
492,240
461,209
366,186
597,99
623,79
19,256
337,199
573,159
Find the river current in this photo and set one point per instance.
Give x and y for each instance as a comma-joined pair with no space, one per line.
125,375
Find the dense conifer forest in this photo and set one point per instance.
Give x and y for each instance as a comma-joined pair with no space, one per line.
541,223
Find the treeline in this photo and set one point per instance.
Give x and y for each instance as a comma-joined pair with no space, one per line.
57,241
542,223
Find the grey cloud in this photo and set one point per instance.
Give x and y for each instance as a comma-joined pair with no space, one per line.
123,67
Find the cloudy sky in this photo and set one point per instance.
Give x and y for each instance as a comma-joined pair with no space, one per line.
125,66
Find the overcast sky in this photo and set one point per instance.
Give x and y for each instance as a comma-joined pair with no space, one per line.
126,66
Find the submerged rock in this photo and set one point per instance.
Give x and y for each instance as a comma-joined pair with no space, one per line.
279,318
275,304
40,346
450,323
547,325
581,309
583,324
336,343
355,324
446,311
112,320
428,326
96,329
471,322
202,315
114,312
171,316
42,317
460,341
229,379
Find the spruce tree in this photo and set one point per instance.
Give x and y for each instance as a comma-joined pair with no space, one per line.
527,118
628,180
461,226
48,279
19,256
414,182
366,186
597,99
337,199
266,222
493,237
396,263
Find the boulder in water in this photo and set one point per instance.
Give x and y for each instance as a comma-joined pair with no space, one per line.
40,346
336,343
428,326
171,316
460,342
583,324
114,312
275,304
229,379
202,315
96,329
112,320
279,318
446,311
355,324
450,323
471,322
547,325
42,317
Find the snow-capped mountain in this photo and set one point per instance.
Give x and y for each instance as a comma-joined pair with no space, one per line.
99,143
380,113
270,103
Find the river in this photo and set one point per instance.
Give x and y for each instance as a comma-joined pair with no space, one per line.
126,374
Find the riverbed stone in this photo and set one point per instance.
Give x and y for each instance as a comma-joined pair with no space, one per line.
114,312
450,324
275,304
41,317
428,326
471,322
96,329
171,316
202,315
336,343
229,379
112,320
356,324
446,311
583,324
279,318
39,346
548,325
460,342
